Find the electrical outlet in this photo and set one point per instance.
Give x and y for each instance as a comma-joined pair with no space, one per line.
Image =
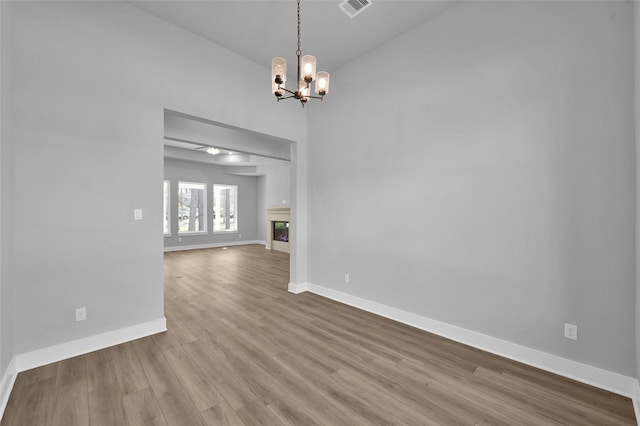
346,278
570,331
81,314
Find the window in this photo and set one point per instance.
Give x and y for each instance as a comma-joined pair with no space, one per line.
225,208
192,207
167,209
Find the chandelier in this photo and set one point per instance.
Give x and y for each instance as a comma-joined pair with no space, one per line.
306,74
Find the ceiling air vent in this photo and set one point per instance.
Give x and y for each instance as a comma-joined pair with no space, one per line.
354,7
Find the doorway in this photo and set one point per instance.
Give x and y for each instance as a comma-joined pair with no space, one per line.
238,152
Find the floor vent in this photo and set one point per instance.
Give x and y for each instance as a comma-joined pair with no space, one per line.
354,7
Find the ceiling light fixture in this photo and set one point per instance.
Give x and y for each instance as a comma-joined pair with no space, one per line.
213,151
306,74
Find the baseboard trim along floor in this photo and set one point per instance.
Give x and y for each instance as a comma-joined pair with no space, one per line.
51,354
603,379
55,353
6,384
213,245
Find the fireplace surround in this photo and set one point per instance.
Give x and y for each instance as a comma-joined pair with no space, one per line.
278,219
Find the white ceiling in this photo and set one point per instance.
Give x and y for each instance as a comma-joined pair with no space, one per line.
262,29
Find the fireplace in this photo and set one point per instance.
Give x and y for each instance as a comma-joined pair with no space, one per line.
281,231
278,228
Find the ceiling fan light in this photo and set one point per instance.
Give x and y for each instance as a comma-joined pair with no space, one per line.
213,151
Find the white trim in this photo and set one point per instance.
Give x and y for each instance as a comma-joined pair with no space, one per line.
604,379
168,205
213,245
6,385
85,345
635,399
297,288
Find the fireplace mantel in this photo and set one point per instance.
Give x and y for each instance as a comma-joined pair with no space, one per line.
277,214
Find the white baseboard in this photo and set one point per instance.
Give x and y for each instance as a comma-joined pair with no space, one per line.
297,288
40,357
214,245
44,356
6,385
604,379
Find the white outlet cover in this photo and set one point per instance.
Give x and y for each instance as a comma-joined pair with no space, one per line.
81,314
571,331
137,214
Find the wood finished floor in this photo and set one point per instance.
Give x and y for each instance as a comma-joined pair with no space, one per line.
241,350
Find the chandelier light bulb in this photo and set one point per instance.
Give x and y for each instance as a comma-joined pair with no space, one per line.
304,92
322,83
308,68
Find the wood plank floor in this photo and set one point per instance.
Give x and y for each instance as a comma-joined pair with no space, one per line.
241,350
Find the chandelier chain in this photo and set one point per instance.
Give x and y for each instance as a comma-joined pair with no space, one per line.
298,52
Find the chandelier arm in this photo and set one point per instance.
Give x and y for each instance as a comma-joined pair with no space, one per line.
288,91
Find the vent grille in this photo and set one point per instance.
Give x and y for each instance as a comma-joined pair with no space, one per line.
354,7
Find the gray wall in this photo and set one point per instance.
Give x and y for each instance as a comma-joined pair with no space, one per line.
92,80
6,190
637,134
180,170
278,186
489,179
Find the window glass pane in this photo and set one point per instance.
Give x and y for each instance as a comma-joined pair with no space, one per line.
225,208
192,205
167,209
